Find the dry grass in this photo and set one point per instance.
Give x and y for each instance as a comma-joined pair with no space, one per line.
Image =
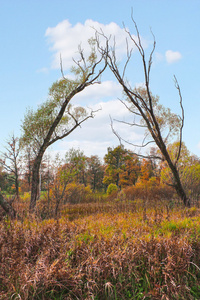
102,251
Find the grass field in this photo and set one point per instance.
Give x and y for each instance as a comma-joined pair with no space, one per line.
102,251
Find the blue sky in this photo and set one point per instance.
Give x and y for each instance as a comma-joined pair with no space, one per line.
34,33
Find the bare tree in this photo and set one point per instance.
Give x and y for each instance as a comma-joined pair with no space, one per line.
10,160
155,118
28,158
56,119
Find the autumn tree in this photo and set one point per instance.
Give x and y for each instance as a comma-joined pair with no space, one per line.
95,172
160,122
131,169
62,175
80,169
146,171
56,118
190,179
69,170
10,163
76,163
188,167
122,167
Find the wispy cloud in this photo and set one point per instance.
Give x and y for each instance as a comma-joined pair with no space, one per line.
172,56
43,70
98,92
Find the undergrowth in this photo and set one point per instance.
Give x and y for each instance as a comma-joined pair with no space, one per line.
113,253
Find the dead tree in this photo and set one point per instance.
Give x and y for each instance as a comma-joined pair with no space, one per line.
143,104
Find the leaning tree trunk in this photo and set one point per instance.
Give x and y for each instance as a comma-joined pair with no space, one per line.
176,176
179,188
35,181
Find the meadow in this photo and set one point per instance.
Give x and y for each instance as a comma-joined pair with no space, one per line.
115,249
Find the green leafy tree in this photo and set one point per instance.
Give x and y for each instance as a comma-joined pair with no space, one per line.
56,118
112,188
114,160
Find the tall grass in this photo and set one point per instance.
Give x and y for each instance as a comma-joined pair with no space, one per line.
102,251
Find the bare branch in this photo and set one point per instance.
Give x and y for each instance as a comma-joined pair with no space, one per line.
151,54
128,59
131,124
138,146
121,139
114,131
132,111
182,120
77,124
61,67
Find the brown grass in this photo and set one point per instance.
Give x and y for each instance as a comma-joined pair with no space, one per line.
102,251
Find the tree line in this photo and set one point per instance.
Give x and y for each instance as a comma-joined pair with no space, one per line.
56,118
70,179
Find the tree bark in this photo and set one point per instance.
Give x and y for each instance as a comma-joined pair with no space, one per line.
176,177
35,180
17,184
178,187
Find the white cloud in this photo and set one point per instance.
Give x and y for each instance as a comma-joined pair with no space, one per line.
172,56
95,135
97,92
65,38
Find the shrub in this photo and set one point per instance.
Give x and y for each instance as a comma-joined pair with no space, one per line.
112,188
76,193
149,191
